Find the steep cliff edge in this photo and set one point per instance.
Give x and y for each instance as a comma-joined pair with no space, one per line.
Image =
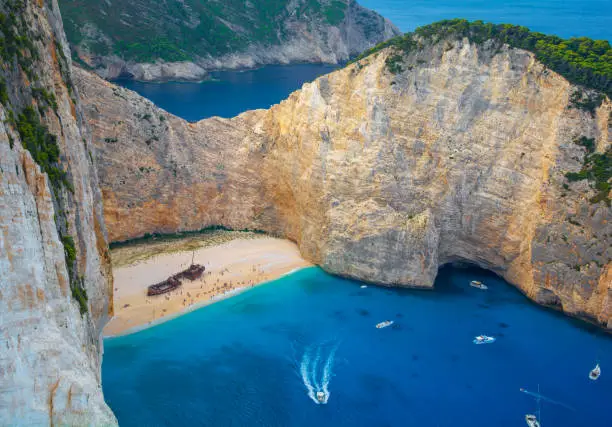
181,40
383,172
55,278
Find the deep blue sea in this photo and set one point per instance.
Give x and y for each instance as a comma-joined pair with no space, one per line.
253,359
230,92
565,18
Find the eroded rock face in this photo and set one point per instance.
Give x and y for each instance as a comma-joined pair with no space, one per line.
50,354
382,177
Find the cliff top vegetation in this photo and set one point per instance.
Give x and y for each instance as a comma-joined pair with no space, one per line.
179,30
580,60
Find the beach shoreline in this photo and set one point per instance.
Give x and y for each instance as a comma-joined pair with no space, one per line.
233,265
196,306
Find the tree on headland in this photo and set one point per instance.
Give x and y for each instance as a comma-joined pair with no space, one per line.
580,60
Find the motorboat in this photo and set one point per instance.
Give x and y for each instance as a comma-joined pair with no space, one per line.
595,373
384,324
479,285
363,286
321,397
483,339
532,420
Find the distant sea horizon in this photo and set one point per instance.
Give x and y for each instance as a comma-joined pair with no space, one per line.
564,18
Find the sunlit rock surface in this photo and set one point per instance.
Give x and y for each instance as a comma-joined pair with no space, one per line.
382,177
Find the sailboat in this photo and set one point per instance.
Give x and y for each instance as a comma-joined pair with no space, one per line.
531,419
595,373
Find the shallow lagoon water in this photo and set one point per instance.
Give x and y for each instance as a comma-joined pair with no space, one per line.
245,361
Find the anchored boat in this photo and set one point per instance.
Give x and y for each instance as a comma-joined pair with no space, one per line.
532,420
479,285
595,373
384,324
483,339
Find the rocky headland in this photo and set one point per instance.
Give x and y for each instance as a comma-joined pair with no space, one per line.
454,151
184,40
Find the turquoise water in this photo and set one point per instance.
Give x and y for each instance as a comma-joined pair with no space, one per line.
231,92
565,18
247,361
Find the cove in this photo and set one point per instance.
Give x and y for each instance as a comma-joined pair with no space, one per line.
253,359
229,93
565,18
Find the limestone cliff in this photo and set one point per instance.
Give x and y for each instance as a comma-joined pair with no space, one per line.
181,40
383,176
55,278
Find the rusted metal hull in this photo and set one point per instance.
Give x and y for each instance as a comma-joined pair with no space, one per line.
194,272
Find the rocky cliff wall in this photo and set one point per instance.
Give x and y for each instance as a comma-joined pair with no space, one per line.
55,278
383,177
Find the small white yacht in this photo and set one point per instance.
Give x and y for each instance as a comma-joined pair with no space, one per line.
384,324
363,286
483,339
479,285
532,420
321,397
595,373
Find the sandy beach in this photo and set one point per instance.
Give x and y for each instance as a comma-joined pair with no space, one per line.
233,262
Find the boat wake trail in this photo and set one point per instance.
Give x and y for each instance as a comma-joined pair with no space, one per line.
316,370
546,399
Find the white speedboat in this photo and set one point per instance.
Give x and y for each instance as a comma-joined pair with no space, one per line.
384,324
595,373
321,397
363,286
483,339
532,420
479,285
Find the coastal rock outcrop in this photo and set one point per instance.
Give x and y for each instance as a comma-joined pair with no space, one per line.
183,40
55,273
460,156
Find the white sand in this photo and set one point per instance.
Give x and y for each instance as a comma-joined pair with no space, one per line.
230,267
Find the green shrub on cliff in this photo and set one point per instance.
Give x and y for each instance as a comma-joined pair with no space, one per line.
42,145
597,168
79,293
334,12
580,60
15,39
4,98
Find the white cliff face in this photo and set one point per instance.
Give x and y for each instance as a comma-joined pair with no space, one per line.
382,177
50,353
